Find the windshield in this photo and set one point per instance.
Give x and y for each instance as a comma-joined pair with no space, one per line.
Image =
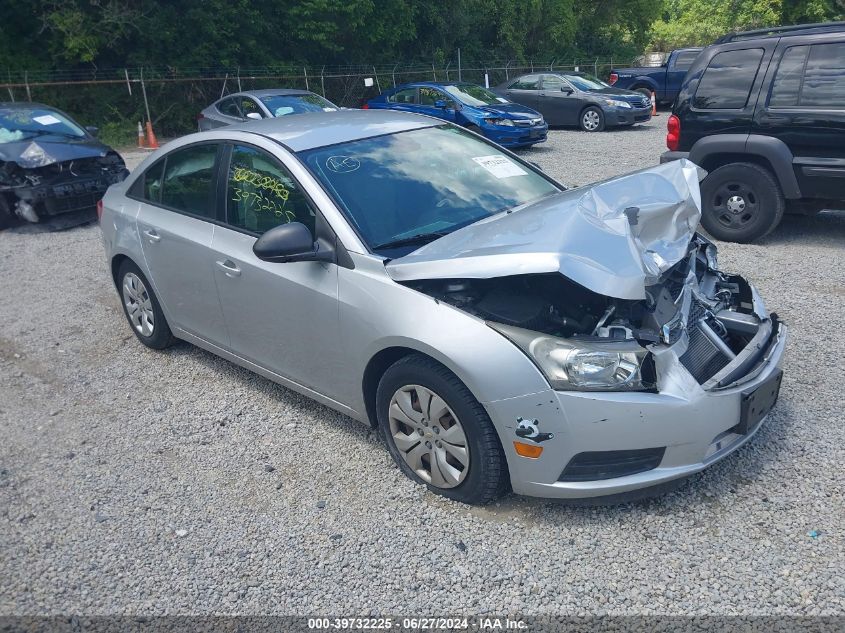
280,105
586,82
472,95
21,123
425,182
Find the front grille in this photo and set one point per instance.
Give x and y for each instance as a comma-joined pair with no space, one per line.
596,465
527,122
703,359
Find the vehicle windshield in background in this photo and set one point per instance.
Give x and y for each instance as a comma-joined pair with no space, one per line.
21,123
405,189
474,95
280,105
586,82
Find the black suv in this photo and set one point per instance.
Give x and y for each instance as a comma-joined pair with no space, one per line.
764,113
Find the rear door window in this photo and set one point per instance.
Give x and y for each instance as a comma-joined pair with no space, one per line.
148,185
824,77
408,95
684,60
189,180
528,82
728,79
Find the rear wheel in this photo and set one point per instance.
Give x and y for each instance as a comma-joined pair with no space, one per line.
741,202
437,432
592,119
141,307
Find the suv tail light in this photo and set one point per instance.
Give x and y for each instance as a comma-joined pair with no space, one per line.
365,106
99,209
673,134
613,78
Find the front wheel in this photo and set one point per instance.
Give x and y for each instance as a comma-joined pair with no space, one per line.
437,432
741,202
592,119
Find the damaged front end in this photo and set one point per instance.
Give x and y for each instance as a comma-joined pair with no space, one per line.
606,288
714,324
35,192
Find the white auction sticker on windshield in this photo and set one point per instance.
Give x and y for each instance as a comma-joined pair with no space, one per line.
47,119
500,166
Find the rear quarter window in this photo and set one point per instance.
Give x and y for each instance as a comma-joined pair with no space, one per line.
728,79
824,77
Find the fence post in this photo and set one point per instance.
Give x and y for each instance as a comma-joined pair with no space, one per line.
144,91
393,74
552,64
128,85
323,80
434,72
239,79
507,76
596,67
378,84
223,90
447,69
459,66
305,72
26,81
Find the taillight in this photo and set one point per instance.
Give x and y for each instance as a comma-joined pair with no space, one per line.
613,78
99,209
366,106
673,134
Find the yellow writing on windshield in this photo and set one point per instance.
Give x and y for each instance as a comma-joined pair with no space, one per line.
260,181
262,204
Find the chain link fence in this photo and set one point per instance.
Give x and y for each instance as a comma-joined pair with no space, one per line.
116,99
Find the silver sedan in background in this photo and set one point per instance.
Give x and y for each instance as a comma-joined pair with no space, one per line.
501,331
261,104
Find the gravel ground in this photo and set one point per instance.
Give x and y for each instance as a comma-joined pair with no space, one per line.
141,482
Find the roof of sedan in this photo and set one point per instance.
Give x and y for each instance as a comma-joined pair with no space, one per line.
319,129
264,92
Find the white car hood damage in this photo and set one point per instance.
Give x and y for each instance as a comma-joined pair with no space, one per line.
615,237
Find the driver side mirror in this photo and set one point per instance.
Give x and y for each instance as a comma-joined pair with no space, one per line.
92,130
255,116
566,90
290,242
440,103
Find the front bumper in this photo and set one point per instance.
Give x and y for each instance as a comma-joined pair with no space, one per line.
67,196
626,116
697,427
516,136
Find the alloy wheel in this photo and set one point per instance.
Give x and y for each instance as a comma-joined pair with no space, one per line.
429,436
138,304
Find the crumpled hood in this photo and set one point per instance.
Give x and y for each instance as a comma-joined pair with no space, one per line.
38,152
615,237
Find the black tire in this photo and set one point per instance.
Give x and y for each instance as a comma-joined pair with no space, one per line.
741,202
587,115
487,476
7,218
644,91
161,336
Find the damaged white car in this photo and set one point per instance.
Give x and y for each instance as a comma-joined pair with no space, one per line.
501,331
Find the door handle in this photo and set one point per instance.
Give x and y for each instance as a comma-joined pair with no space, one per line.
152,236
229,267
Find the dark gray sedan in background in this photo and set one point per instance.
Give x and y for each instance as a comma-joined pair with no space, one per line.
261,104
575,98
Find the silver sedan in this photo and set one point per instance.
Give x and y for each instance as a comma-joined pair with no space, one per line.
502,331
261,104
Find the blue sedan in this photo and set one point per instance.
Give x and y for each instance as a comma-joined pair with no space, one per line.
476,108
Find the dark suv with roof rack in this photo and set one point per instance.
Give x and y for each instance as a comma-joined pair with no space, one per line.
764,113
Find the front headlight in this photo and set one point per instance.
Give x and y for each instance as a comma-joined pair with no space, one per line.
618,104
505,122
576,365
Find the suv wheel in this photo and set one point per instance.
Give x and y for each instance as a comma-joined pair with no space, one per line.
437,432
741,202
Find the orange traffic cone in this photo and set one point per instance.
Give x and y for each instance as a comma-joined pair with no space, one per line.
140,136
152,143
653,105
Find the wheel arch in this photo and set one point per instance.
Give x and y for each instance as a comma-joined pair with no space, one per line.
712,152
